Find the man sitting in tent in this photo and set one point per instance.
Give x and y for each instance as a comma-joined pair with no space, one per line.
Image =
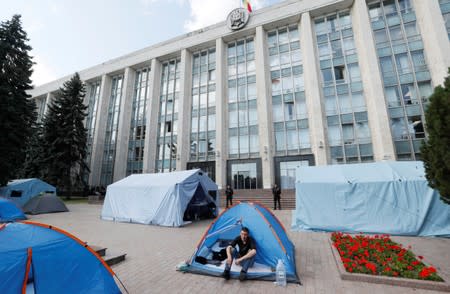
246,255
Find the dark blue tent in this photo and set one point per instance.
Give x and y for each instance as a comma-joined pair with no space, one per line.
9,211
50,259
22,190
272,243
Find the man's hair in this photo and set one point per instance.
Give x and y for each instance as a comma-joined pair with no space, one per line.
245,229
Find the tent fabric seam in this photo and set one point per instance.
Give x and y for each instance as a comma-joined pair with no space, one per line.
27,270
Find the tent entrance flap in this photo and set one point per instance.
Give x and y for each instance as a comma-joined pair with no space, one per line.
201,206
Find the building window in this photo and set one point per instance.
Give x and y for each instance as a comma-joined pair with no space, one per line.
406,78
339,73
349,138
168,116
203,112
136,141
112,124
91,119
445,9
289,114
243,139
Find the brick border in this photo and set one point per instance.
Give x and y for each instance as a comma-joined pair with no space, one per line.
402,282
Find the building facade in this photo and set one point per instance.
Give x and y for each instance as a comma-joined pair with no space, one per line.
302,83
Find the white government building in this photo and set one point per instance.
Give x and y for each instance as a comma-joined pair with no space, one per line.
301,83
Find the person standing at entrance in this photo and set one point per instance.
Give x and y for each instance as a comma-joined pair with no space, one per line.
229,192
276,191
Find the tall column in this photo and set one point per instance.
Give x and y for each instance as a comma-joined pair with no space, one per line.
86,100
383,147
48,100
184,110
221,114
152,111
435,38
99,135
123,132
313,91
265,128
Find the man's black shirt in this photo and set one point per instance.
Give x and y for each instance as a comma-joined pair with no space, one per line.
243,248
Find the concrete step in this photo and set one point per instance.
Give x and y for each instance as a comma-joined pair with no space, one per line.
99,249
112,259
109,258
263,196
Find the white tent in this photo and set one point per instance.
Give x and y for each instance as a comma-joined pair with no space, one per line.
163,199
391,197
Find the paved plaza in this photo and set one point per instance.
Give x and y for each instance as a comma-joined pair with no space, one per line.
153,253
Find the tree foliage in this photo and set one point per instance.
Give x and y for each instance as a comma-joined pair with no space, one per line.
17,111
64,137
32,166
436,149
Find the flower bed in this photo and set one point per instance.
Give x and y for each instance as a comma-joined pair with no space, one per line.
379,255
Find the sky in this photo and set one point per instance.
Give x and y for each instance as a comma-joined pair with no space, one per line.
72,35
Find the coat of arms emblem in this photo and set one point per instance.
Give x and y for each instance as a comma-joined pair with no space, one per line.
237,19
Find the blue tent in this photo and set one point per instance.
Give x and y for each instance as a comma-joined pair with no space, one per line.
165,199
50,261
9,211
22,190
272,243
383,197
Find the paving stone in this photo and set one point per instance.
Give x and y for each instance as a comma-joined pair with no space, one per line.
153,253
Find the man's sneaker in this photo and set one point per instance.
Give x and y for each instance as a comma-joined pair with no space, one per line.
226,274
242,276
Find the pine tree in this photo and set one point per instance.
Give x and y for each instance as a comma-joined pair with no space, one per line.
32,167
436,150
65,137
17,112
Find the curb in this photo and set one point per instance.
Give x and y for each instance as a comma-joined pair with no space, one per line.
402,282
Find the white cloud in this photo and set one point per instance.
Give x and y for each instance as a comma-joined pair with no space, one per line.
42,72
205,13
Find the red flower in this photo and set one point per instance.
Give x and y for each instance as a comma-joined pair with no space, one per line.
372,254
371,267
424,273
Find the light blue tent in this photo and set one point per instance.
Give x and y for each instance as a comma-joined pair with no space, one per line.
43,259
383,197
21,190
272,243
165,199
9,211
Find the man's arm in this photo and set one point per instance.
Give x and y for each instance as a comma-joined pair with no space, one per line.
229,248
229,257
249,254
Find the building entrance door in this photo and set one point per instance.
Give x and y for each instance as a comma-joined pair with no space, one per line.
244,175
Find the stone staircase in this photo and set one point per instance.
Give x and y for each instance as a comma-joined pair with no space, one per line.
263,196
109,258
